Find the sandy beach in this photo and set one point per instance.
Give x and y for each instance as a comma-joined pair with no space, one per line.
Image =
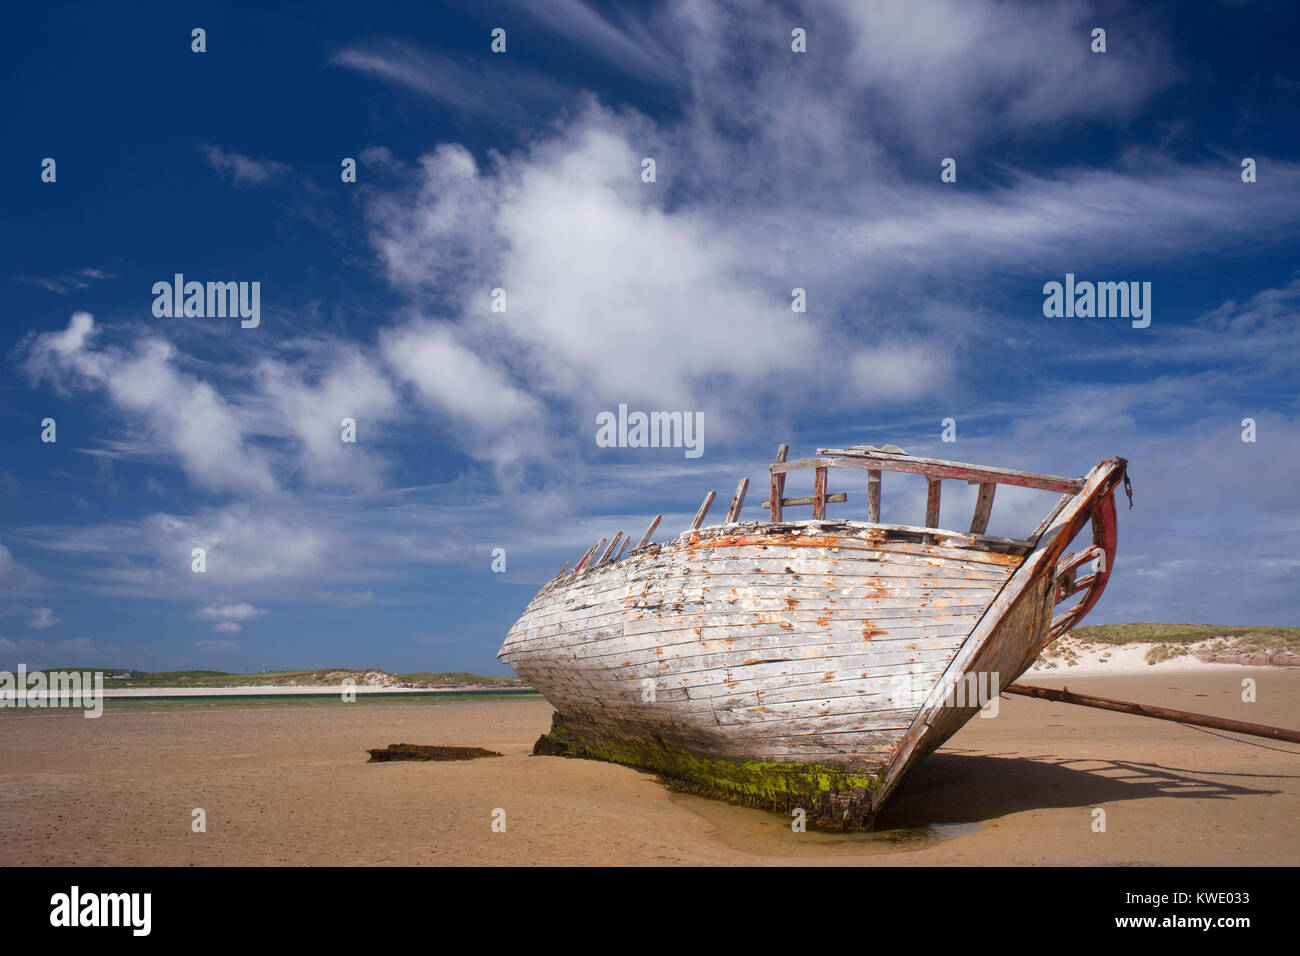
290,784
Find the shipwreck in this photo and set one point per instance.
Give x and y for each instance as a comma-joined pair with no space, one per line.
809,664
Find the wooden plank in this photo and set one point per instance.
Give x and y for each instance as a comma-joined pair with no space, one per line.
648,531
873,496
932,502
622,548
1160,713
983,507
1051,516
560,572
1070,561
582,561
819,495
931,467
806,500
586,560
704,510
610,550
777,489
737,501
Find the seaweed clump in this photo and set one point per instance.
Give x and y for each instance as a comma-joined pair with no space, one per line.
428,752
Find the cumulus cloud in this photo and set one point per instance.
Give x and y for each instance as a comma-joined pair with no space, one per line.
230,618
185,415
352,387
213,428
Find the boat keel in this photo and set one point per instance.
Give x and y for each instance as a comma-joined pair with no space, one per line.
832,798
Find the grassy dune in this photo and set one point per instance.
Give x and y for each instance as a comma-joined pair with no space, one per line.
1272,638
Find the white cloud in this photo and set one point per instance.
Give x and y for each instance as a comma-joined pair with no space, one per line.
953,71
213,428
13,576
185,415
230,612
632,44
313,413
64,285
243,170
230,618
510,95
42,617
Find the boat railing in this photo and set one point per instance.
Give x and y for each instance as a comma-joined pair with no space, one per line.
876,461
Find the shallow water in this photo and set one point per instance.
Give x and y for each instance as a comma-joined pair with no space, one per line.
762,832
198,703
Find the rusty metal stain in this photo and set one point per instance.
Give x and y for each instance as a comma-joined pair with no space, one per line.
764,540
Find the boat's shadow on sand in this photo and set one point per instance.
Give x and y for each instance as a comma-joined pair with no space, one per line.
954,787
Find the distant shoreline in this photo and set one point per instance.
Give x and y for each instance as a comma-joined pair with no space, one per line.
271,690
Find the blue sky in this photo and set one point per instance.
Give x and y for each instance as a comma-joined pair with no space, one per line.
521,170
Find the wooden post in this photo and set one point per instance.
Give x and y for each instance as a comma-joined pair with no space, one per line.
1160,713
626,542
983,508
819,495
586,558
648,531
737,501
778,486
873,497
704,509
578,567
932,502
610,550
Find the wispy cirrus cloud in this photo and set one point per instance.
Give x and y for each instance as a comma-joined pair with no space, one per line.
66,284
241,170
635,45
496,89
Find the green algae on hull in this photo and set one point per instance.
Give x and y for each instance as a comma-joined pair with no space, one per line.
833,798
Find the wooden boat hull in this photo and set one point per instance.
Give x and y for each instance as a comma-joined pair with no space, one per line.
793,665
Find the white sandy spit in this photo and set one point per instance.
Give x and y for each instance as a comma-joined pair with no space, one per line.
1070,656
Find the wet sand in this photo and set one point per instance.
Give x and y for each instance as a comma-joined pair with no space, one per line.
290,784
